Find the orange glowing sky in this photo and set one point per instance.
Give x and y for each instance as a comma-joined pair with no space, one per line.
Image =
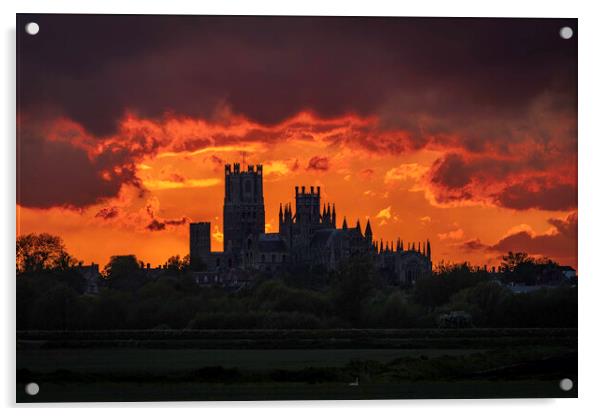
460,131
178,185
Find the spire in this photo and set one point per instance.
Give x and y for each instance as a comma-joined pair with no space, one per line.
280,216
334,216
413,246
398,243
419,246
387,247
381,245
368,232
401,245
358,226
428,249
324,213
344,223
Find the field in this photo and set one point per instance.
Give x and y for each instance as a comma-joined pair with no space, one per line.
179,365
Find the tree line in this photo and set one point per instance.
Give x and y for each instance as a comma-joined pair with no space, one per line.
51,295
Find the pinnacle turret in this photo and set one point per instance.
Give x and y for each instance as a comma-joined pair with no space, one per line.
334,216
368,229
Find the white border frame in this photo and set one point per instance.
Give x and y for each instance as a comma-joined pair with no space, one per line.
590,91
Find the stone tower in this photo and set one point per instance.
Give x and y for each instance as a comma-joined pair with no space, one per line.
244,212
307,206
200,245
307,220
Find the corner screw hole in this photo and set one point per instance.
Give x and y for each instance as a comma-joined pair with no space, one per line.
566,32
32,28
32,389
566,384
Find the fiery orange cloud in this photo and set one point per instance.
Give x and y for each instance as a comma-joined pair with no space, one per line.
405,172
384,213
452,235
188,183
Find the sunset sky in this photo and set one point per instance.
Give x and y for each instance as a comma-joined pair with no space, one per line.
462,131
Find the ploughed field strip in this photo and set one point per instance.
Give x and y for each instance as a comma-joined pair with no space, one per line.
210,364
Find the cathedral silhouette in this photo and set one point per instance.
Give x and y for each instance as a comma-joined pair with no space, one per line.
305,237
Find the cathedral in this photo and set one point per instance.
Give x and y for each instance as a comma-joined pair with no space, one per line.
306,236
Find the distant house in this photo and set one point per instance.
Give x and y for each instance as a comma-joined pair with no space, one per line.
206,278
568,272
518,288
91,274
153,273
232,279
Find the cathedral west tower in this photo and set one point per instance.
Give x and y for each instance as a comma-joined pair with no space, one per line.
244,212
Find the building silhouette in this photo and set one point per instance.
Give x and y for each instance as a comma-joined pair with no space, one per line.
307,235
244,212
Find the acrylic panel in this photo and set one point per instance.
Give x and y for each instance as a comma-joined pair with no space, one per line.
295,208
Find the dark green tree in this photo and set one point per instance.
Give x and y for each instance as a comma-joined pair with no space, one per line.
354,282
59,308
512,260
177,265
521,268
124,273
448,279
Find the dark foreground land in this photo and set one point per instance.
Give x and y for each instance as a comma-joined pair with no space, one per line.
296,364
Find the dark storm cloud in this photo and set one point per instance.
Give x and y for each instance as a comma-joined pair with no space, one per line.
451,172
55,173
524,182
479,85
474,244
107,213
548,196
560,244
551,245
97,67
318,163
160,225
